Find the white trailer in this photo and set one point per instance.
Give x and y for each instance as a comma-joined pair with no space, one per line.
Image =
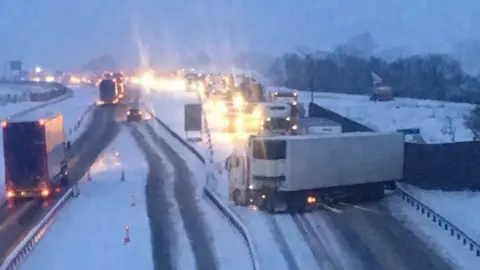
297,172
314,125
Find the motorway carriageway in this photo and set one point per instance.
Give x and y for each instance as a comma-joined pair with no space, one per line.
17,221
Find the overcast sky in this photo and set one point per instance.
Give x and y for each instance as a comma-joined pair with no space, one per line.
64,33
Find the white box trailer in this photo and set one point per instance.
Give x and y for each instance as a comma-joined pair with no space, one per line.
295,172
316,125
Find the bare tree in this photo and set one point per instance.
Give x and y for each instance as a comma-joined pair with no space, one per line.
472,122
449,129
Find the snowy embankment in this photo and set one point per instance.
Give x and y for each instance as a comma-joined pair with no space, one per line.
76,113
91,230
438,121
16,98
168,105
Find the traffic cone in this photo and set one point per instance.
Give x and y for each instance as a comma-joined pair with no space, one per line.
126,240
133,200
123,175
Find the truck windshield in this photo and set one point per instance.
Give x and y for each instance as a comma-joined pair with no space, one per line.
23,151
269,149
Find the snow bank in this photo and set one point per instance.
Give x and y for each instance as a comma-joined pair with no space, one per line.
440,240
456,207
90,231
434,118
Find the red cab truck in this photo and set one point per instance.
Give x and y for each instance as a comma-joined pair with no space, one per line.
35,157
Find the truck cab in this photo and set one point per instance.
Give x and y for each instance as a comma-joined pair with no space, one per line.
287,97
276,118
255,171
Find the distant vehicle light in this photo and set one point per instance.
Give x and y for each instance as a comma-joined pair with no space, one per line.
45,193
4,123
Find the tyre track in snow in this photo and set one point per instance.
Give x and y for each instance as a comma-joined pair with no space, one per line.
185,194
282,244
377,240
324,259
161,228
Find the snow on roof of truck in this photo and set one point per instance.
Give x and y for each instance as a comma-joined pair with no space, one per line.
32,117
347,134
316,121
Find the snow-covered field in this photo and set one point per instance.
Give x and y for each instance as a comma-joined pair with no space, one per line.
90,230
168,106
434,118
71,108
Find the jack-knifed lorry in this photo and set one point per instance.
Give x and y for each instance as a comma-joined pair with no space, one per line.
298,173
35,155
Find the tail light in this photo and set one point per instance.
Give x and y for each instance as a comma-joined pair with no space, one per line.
10,194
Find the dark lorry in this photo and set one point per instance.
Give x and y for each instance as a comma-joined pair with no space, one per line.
108,92
35,157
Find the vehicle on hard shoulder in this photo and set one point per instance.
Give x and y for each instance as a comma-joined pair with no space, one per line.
35,155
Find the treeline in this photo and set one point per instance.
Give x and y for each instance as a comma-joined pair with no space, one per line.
432,76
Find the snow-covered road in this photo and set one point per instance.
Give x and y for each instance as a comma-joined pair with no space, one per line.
89,232
168,106
184,230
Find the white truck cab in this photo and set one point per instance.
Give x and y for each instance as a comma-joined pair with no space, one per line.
276,118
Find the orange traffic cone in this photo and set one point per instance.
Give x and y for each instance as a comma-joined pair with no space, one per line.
126,240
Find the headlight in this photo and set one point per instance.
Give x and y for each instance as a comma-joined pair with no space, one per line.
294,103
288,118
221,108
238,101
268,119
238,124
294,127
